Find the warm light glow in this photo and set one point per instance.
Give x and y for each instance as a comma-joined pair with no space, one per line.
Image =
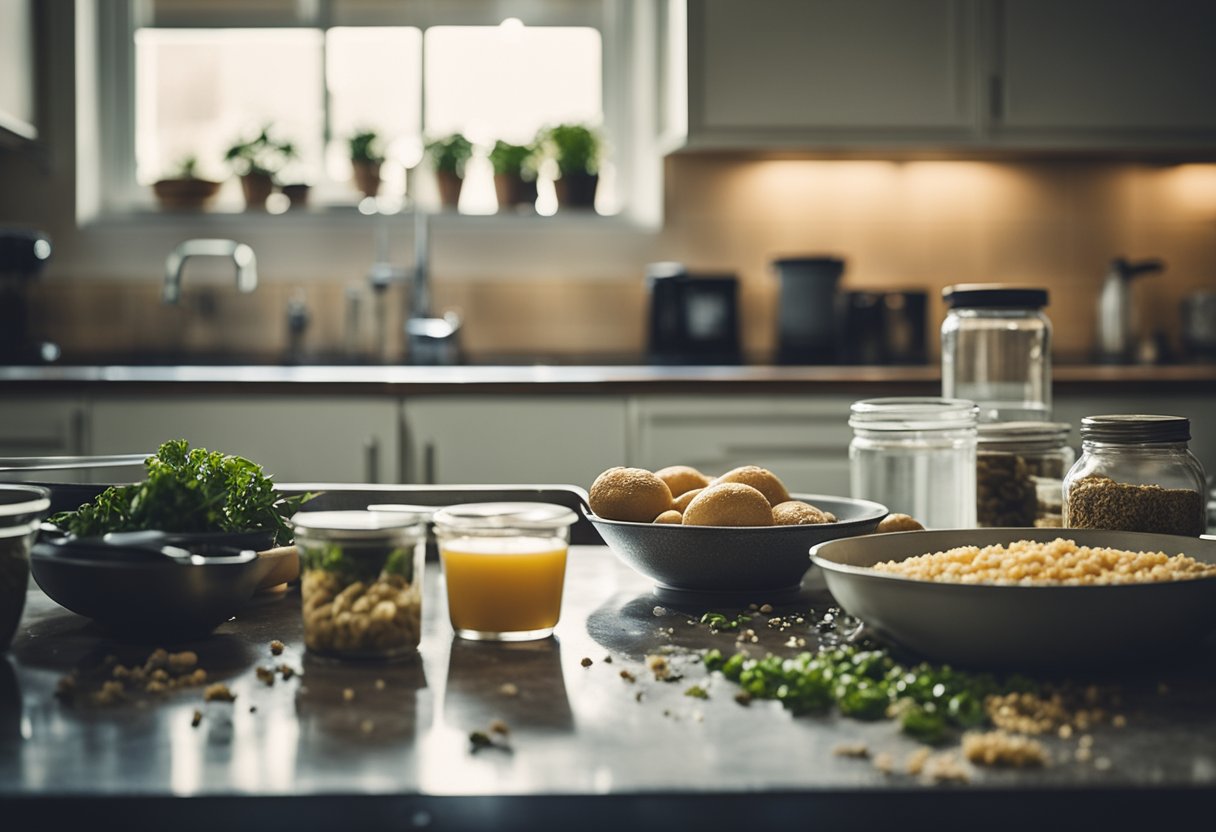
1193,186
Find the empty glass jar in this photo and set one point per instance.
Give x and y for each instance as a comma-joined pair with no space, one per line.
916,456
996,351
1136,474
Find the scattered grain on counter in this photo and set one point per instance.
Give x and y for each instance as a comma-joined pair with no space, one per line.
508,689
915,764
196,719
286,671
265,675
627,676
884,761
276,647
380,684
586,662
348,695
856,750
1060,561
1000,748
1099,502
218,693
661,668
497,726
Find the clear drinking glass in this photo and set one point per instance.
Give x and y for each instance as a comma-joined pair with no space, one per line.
504,565
996,351
916,456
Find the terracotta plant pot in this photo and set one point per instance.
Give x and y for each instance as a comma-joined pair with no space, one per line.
185,194
256,187
514,192
449,188
367,177
576,190
297,194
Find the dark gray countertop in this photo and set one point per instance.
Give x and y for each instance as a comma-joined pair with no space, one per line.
565,378
588,747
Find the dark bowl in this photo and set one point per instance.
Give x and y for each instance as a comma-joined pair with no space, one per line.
754,562
147,600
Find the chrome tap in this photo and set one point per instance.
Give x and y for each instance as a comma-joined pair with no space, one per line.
240,254
430,340
1117,338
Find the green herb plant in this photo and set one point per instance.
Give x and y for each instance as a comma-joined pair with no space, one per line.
861,683
514,159
365,146
261,155
576,148
450,154
189,491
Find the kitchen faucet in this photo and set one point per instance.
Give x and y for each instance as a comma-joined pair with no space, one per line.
240,254
1117,338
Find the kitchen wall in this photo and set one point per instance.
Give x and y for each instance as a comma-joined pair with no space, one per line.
523,289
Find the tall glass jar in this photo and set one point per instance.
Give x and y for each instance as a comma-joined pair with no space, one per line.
916,456
1136,473
1019,475
996,351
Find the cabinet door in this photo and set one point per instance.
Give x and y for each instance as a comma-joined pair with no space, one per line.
474,440
803,440
818,70
1143,70
41,427
295,439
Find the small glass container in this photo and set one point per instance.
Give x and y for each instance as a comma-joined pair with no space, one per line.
504,565
22,508
361,582
1136,473
996,351
916,456
1019,476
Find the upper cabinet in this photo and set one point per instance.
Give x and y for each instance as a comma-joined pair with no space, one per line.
842,76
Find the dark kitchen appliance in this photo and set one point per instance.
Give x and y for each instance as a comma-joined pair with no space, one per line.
882,327
23,253
806,317
694,318
1198,311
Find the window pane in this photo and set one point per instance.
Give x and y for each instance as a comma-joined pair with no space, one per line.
506,82
375,82
199,90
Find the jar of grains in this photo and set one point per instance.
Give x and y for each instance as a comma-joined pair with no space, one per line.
1019,473
361,582
1136,474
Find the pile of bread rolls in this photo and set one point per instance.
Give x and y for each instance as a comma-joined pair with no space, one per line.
679,494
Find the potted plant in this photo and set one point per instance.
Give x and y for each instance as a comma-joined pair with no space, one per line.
256,161
366,157
515,168
449,155
183,189
576,149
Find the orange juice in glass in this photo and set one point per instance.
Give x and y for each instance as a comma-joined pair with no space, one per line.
504,565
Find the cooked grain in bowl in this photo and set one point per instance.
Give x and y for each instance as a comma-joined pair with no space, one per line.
1060,561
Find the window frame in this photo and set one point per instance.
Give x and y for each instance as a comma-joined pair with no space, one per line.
121,196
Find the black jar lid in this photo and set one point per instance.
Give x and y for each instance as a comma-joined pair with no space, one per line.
994,295
1127,429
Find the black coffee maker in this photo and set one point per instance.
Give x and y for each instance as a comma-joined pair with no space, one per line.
23,253
694,318
806,314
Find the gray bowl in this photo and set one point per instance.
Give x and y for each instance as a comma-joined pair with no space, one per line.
1013,626
727,563
149,600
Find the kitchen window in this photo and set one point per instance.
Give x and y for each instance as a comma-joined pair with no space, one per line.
200,75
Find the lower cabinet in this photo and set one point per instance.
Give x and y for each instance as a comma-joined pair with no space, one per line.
537,439
298,439
804,440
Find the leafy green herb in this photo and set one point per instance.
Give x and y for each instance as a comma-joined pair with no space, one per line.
718,621
929,701
697,692
189,491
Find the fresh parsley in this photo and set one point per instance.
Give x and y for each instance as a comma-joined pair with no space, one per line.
189,491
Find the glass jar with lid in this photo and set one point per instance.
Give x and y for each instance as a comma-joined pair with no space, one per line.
1019,475
916,456
1136,473
996,350
361,582
504,565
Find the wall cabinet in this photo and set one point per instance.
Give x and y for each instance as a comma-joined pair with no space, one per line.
44,426
802,439
294,438
513,439
934,75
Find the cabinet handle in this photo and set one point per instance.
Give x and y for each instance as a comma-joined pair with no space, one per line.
428,463
371,460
